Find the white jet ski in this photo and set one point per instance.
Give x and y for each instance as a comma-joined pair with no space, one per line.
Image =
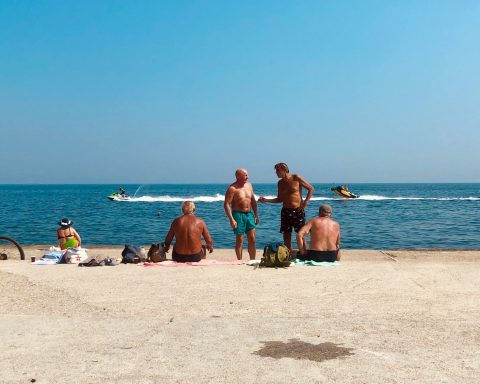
118,197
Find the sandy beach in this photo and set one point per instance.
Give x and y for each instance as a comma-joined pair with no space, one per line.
378,317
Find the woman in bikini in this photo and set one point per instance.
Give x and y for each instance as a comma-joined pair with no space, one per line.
68,237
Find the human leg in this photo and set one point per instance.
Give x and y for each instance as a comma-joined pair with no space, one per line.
287,240
238,246
252,249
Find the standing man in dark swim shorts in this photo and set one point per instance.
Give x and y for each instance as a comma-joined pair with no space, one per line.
290,195
324,237
239,204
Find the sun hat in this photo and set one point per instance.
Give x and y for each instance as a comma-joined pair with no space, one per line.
65,222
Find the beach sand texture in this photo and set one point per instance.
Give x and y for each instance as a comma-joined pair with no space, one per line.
395,317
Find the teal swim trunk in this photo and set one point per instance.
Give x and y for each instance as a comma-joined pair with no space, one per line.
245,222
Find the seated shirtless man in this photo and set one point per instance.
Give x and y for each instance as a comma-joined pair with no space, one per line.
324,237
188,231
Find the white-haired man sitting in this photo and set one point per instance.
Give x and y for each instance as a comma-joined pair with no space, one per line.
188,230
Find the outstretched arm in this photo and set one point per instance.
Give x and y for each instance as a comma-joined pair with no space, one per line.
263,199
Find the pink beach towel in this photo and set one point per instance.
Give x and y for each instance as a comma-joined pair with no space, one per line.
203,263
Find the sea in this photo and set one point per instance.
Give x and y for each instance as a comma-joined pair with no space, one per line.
385,216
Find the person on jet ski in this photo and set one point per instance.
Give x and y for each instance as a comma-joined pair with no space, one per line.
121,191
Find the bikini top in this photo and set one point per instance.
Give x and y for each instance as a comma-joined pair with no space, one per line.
70,234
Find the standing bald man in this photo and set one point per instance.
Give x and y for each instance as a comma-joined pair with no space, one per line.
239,204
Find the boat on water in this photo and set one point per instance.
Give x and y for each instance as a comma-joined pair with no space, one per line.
118,197
342,190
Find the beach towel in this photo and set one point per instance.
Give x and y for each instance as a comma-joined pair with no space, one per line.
202,263
316,263
50,258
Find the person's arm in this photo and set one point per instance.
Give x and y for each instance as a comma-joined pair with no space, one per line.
263,199
308,187
338,244
254,208
77,236
207,237
301,235
227,206
169,237
60,237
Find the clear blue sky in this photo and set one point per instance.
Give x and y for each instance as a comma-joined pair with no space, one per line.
187,91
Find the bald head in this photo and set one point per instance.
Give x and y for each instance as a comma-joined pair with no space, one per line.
241,175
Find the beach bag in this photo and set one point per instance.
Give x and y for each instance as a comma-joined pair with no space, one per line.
156,253
133,254
74,256
275,255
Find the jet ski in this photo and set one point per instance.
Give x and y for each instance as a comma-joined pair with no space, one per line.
342,190
118,197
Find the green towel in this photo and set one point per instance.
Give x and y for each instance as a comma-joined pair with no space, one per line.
316,263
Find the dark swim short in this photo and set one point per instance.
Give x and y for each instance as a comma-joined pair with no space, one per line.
179,258
319,256
292,218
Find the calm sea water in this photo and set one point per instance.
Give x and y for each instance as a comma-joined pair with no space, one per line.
386,216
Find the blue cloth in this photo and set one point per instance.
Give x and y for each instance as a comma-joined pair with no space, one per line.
274,246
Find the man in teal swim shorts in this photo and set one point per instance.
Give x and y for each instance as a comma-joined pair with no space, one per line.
239,204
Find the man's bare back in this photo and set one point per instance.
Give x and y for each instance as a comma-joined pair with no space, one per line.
324,233
188,230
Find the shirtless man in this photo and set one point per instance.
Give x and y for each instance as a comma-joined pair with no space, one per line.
324,237
290,195
188,231
238,205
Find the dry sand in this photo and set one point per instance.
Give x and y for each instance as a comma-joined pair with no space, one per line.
391,317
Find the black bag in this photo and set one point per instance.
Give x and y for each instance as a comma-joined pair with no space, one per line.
156,253
132,254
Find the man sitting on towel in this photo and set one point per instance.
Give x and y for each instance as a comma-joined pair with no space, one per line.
324,237
188,231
